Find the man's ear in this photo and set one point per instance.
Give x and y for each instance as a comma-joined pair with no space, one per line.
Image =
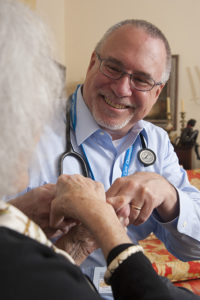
92,60
159,90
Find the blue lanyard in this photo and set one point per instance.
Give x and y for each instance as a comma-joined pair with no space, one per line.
129,151
127,161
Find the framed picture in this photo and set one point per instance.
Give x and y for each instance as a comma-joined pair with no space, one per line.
158,114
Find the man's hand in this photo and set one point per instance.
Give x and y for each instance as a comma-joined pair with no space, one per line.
143,192
36,205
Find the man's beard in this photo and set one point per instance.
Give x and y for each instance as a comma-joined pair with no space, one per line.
108,125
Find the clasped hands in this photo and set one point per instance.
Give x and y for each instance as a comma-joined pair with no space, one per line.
133,198
69,205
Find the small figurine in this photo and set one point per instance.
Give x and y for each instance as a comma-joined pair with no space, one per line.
189,137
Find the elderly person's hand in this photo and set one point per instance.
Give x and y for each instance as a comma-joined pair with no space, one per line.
83,199
73,198
78,242
86,189
143,192
36,205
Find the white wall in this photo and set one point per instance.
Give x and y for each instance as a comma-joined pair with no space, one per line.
54,14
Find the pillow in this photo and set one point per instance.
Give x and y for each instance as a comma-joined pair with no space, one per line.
184,274
194,177
165,264
192,285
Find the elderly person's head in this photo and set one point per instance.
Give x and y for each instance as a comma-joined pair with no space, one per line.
29,89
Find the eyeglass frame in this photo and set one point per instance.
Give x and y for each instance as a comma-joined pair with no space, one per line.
101,60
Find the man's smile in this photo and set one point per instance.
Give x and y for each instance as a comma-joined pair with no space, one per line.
115,105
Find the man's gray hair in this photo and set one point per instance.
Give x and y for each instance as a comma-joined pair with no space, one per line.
30,85
150,29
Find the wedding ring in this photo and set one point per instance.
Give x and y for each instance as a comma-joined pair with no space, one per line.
136,207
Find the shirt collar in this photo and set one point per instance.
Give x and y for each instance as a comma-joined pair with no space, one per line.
132,135
86,125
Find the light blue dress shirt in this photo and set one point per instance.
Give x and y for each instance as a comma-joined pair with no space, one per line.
182,235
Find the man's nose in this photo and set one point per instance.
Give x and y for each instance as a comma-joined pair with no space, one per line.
122,87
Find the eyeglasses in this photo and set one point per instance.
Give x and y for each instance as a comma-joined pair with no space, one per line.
140,82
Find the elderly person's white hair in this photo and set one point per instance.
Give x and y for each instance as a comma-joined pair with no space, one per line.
30,84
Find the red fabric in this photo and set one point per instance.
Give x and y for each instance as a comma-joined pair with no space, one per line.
192,285
185,274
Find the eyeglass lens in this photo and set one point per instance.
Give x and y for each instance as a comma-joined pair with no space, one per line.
138,81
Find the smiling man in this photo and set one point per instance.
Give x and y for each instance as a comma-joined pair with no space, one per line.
134,159
123,82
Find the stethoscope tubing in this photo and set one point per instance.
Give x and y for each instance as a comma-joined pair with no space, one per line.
69,148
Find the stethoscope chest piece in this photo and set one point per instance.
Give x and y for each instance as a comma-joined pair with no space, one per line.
147,157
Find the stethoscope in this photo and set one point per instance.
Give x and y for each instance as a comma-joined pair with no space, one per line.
146,156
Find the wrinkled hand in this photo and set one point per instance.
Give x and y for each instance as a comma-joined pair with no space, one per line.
78,242
36,205
142,192
83,199
76,197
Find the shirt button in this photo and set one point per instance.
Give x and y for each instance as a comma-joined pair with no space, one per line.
101,133
184,224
